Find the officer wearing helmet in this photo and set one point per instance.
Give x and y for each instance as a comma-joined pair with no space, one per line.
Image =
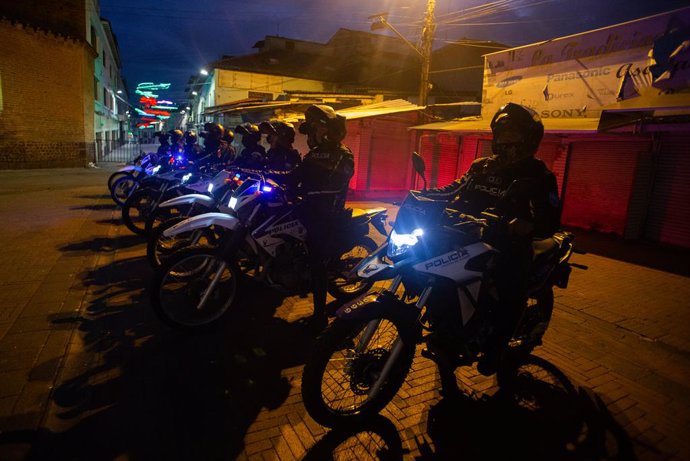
321,180
192,150
280,135
215,148
517,131
164,148
253,154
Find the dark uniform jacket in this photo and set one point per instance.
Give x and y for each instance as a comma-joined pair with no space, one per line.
534,197
323,176
252,157
282,159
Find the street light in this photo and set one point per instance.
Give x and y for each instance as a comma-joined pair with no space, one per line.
424,51
203,72
195,93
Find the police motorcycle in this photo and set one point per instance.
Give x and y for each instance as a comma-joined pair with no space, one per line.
175,210
264,239
126,180
132,168
183,178
439,285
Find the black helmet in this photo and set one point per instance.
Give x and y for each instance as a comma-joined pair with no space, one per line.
319,114
175,135
190,137
162,137
284,130
213,131
521,119
250,133
229,136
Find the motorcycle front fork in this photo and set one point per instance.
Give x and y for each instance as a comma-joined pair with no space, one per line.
398,345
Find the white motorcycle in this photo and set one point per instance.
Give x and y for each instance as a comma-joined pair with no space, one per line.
440,283
263,239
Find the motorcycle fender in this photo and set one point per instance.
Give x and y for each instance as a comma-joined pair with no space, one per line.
372,303
201,221
128,168
372,267
188,200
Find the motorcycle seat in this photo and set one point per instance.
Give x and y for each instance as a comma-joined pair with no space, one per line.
543,248
357,212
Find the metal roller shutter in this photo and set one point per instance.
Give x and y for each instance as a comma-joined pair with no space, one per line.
468,153
389,156
448,154
599,184
554,156
427,144
668,219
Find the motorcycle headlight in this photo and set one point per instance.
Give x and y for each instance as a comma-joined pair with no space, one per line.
156,169
210,188
401,243
186,177
233,202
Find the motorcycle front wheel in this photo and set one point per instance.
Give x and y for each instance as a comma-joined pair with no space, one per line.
122,188
137,209
115,176
343,381
194,288
339,286
159,247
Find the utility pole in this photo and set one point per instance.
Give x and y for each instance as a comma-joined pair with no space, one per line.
424,51
427,42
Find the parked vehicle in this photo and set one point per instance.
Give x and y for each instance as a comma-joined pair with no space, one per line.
155,189
173,211
439,265
265,240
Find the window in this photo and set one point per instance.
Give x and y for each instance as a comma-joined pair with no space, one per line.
105,97
95,89
94,39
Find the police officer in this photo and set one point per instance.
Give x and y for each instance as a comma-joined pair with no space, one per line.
280,135
253,154
321,180
192,150
176,141
215,148
164,148
517,131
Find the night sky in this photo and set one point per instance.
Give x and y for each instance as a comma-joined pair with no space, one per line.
167,41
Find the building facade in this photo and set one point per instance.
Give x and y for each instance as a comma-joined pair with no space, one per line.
50,100
615,103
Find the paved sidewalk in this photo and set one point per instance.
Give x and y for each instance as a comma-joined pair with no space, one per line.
87,372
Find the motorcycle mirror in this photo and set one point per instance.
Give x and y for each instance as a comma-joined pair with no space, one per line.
418,165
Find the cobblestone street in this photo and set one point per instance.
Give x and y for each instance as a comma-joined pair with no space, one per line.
88,373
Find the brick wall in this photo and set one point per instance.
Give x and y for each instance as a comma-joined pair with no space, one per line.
64,17
46,99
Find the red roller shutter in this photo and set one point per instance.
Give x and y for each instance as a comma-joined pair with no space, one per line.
668,219
554,156
599,183
352,140
426,150
389,156
469,153
448,157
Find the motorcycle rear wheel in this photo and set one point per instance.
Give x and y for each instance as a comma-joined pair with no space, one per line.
180,289
337,378
342,289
